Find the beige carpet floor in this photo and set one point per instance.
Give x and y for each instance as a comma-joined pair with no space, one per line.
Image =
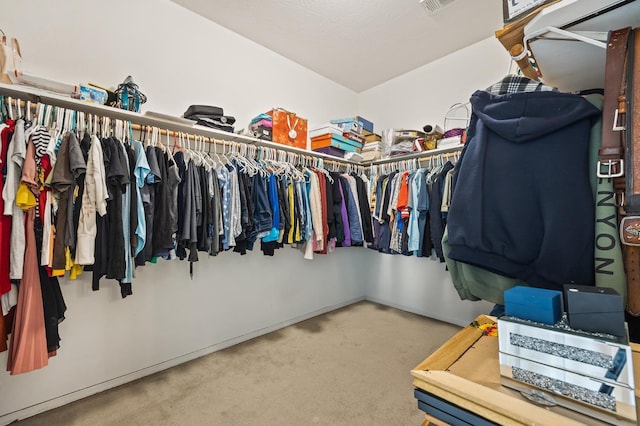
348,367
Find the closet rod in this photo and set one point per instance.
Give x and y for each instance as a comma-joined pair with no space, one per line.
418,155
41,96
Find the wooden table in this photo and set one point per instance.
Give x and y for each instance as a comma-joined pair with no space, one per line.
465,371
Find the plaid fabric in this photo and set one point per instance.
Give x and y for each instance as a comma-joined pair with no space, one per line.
517,84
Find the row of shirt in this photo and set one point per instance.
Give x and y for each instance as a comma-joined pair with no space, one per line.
75,203
410,210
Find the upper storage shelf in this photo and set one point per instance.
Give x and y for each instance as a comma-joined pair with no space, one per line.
568,40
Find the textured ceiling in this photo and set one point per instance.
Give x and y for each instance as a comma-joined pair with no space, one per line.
356,43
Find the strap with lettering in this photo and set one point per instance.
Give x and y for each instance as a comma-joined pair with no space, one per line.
611,153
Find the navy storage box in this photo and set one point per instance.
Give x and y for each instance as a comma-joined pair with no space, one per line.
535,304
595,309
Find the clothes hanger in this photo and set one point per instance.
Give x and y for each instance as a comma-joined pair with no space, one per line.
224,156
199,142
10,107
250,156
168,143
39,118
89,124
158,140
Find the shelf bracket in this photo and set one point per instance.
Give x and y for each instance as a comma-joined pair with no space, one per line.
593,38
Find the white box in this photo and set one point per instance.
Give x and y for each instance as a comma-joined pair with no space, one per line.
583,354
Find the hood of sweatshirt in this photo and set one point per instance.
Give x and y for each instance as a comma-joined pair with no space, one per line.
521,117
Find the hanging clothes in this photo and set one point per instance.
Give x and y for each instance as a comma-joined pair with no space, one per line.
162,235
5,221
188,235
173,182
126,280
364,208
354,230
148,195
6,131
564,252
437,220
216,214
246,216
16,156
61,182
116,171
223,181
270,240
94,201
28,345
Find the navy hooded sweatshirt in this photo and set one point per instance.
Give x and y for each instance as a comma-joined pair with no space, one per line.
522,205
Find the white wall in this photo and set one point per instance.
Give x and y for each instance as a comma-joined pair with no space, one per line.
422,286
410,101
178,59
170,319
425,94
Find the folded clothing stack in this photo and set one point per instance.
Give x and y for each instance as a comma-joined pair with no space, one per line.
372,151
210,116
261,127
407,142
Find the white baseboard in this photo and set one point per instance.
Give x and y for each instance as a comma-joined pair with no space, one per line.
117,381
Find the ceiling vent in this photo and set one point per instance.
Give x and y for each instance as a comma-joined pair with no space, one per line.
435,6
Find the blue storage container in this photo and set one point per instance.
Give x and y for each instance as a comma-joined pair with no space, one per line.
535,304
366,124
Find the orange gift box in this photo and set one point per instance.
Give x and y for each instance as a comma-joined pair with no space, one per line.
288,128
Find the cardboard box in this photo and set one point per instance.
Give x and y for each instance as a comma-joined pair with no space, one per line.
580,353
366,124
535,304
329,150
352,126
595,309
262,132
288,128
336,141
356,123
325,129
372,137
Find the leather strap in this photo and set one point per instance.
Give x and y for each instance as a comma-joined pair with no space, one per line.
632,270
630,225
611,153
632,130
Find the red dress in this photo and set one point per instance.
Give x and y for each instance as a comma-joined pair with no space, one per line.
5,221
5,234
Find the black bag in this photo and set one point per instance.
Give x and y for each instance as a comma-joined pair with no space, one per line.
223,120
205,110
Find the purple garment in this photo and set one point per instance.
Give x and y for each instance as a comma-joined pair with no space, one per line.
345,220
